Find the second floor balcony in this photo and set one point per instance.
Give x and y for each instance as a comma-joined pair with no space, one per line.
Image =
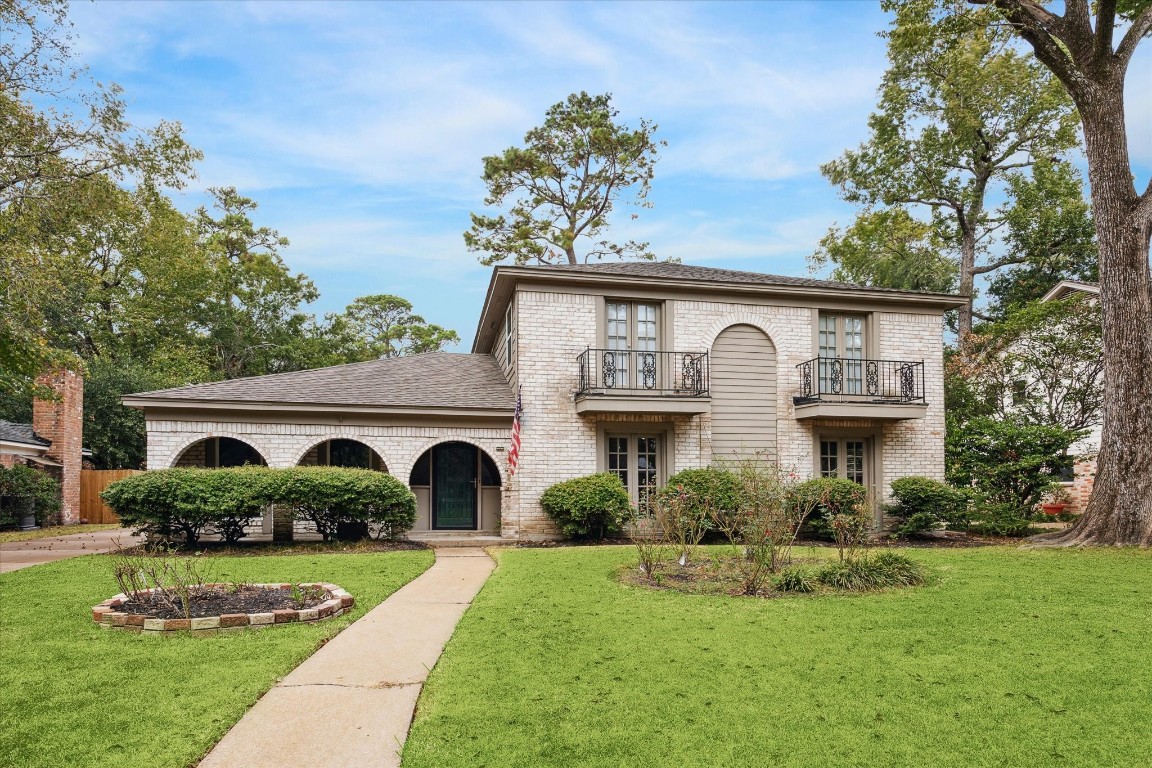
636,381
833,387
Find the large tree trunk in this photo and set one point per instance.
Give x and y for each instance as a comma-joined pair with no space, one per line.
1120,508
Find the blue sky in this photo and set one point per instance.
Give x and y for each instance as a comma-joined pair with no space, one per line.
359,127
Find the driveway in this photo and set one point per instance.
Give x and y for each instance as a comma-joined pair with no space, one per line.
15,555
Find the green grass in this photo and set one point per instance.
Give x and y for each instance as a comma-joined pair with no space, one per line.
77,695
1007,658
54,530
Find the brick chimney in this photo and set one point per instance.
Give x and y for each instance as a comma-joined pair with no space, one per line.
62,422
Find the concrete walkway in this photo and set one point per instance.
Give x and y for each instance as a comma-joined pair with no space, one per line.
15,555
351,703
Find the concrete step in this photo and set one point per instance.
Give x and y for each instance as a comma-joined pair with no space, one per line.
438,539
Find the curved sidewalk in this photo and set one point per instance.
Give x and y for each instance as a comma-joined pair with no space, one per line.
351,702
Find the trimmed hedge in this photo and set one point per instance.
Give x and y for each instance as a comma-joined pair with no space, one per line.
187,503
924,504
827,497
585,506
714,489
24,490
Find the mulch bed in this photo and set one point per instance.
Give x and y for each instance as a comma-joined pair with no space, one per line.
216,601
290,548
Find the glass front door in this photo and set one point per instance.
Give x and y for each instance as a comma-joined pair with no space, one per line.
454,474
845,459
636,460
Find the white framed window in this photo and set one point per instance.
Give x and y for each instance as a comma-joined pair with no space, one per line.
840,337
845,457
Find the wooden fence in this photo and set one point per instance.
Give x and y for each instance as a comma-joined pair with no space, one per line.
92,483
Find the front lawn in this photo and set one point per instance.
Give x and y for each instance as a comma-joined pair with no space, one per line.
73,694
51,531
1007,658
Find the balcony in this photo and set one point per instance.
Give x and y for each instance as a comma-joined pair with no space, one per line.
836,388
631,381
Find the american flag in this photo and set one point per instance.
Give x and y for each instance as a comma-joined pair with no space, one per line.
514,450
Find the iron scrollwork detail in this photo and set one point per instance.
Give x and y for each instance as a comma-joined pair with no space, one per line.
648,370
609,370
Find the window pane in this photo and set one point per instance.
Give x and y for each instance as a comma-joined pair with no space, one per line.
646,475
348,453
645,328
854,460
829,458
618,340
618,458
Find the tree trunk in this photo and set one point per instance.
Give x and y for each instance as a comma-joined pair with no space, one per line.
1120,508
967,284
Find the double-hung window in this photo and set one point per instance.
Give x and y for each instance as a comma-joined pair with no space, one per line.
840,341
631,345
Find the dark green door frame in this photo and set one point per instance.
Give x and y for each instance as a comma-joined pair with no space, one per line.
455,486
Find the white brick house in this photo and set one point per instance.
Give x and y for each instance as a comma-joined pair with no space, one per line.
643,369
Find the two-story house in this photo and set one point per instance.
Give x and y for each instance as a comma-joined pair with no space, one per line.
640,369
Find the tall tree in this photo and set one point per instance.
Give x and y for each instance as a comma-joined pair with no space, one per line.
385,326
565,182
253,320
1080,48
962,117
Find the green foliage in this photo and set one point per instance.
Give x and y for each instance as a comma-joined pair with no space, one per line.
999,520
384,326
886,569
718,485
596,505
1008,462
566,179
332,496
795,580
924,504
824,498
23,491
963,119
114,432
189,502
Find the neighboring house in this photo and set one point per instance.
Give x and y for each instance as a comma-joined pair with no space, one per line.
640,369
53,442
1079,484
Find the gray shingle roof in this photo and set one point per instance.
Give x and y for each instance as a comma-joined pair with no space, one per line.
673,271
21,433
431,380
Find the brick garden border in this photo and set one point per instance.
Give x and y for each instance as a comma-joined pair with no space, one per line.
338,602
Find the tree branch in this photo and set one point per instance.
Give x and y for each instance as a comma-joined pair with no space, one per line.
1141,27
1007,261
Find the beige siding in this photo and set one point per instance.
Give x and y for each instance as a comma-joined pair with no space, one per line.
743,393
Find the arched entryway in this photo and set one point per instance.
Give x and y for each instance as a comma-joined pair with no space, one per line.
217,452
743,387
343,452
457,487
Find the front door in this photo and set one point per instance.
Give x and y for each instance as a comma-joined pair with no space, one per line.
454,487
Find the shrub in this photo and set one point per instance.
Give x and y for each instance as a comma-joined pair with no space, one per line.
923,504
683,519
886,569
331,497
999,520
189,502
795,580
24,490
586,506
714,491
822,498
1007,461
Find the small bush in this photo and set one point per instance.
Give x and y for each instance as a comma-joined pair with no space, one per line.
924,504
887,569
23,491
596,505
714,491
993,519
332,497
795,580
823,498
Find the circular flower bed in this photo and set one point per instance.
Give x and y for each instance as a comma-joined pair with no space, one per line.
223,607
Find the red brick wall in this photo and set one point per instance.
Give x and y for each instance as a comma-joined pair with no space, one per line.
62,422
1081,487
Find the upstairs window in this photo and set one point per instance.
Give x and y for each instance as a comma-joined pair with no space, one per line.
633,335
841,337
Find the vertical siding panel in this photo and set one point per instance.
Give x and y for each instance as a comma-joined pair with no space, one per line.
743,393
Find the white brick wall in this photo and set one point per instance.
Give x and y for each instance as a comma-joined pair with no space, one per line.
558,444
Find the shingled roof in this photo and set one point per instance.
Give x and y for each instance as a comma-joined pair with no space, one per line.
438,380
13,432
673,271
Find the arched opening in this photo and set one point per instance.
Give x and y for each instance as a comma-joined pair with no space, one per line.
743,387
219,452
457,487
342,452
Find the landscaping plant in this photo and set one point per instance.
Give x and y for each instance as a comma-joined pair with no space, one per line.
23,488
823,498
683,517
595,505
767,522
923,504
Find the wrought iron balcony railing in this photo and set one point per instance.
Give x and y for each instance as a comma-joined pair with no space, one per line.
633,372
834,379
